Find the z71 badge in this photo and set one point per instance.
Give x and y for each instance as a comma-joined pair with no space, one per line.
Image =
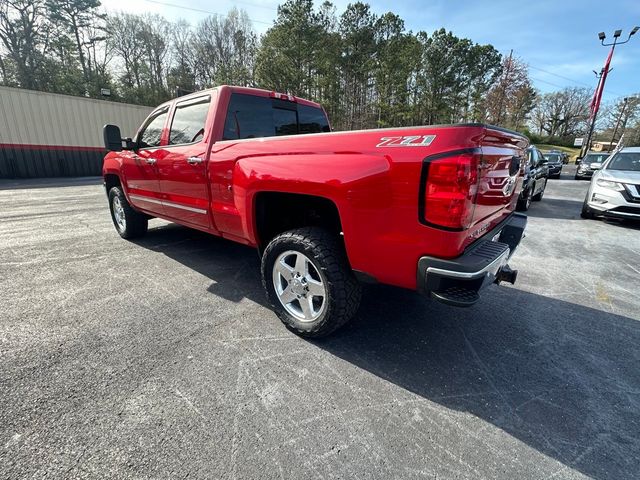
408,141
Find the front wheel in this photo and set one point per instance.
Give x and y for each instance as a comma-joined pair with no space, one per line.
128,222
586,212
308,281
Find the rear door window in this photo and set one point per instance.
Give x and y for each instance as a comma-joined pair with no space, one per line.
188,121
251,116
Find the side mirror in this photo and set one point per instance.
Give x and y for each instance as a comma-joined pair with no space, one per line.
112,138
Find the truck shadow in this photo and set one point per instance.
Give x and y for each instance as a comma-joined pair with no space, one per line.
559,377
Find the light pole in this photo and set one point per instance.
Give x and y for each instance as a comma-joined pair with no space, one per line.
597,96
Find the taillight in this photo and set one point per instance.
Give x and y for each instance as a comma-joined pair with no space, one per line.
450,190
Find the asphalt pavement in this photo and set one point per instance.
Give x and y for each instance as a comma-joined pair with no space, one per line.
160,358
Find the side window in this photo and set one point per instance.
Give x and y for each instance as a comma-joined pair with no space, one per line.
534,158
188,121
151,133
312,120
248,116
251,116
531,158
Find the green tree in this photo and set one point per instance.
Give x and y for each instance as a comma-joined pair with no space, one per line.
83,23
291,54
397,56
357,30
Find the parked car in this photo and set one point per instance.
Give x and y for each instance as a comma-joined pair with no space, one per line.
535,178
424,208
590,163
563,155
554,163
615,188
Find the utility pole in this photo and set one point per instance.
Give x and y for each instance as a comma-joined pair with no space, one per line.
597,96
505,83
586,144
615,130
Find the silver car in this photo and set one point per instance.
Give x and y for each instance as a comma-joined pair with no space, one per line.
591,162
615,188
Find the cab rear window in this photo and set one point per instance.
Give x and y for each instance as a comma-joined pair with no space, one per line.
251,116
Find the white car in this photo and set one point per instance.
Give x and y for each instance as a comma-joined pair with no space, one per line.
615,188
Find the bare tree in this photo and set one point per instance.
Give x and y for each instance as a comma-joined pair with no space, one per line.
512,98
562,113
224,48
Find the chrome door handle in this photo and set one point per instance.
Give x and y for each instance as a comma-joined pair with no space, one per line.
194,160
151,161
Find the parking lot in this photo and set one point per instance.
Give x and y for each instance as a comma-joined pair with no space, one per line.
160,358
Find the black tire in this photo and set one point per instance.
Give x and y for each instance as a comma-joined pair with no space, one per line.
524,201
537,197
328,258
135,224
586,212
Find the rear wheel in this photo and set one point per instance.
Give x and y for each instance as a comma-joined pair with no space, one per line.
524,201
308,281
128,222
538,196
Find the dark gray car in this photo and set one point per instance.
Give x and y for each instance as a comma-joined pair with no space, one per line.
554,162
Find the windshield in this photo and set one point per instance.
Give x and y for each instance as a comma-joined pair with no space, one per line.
553,157
625,161
595,157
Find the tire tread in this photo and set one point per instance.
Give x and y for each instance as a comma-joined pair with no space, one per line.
344,289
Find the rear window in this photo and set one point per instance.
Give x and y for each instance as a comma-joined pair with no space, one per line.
596,157
250,116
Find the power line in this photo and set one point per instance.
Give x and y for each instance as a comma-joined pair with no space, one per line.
560,76
570,80
209,12
545,81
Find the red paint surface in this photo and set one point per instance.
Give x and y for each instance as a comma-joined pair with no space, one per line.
375,189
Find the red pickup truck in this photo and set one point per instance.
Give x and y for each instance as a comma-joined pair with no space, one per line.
426,208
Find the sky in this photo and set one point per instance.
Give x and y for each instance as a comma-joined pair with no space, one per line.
557,39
